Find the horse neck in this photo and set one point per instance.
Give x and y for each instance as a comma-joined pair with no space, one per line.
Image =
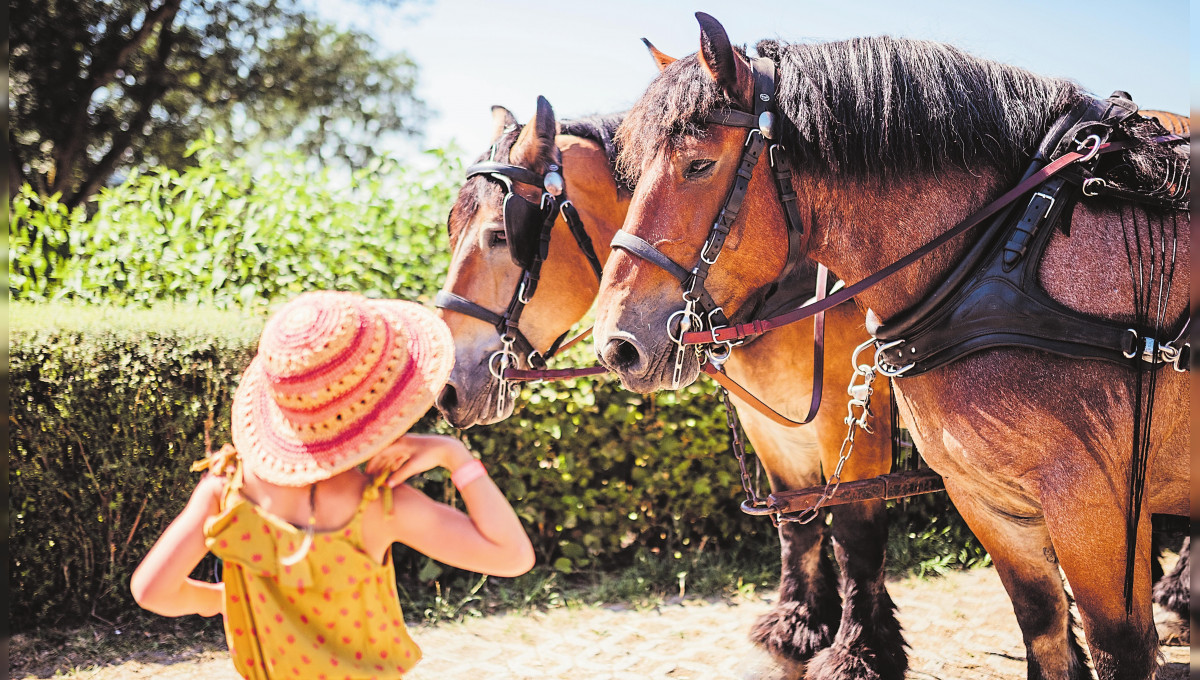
593,189
863,226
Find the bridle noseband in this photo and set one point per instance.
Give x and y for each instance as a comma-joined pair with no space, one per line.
527,230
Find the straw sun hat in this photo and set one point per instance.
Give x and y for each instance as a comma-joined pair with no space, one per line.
337,378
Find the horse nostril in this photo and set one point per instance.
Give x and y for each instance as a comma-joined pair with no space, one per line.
621,355
447,399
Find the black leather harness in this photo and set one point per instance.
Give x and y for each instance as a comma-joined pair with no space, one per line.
992,298
527,230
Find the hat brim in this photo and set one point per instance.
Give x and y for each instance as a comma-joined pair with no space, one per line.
274,451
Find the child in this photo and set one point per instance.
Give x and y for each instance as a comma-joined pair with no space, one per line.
309,589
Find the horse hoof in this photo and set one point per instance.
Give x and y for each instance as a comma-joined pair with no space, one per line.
842,663
1173,629
761,664
791,631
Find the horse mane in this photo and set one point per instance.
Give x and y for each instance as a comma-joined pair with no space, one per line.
601,129
876,107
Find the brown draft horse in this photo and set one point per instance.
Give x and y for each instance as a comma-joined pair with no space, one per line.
891,143
858,630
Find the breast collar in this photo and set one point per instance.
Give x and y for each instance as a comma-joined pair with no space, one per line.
992,298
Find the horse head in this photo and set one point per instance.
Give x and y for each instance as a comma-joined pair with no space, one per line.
496,233
684,169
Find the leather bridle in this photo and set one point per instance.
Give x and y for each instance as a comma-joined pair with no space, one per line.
523,219
700,312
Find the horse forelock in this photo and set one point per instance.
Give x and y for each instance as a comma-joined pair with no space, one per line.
671,108
875,107
467,203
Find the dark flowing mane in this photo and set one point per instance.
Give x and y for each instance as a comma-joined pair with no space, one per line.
601,129
868,107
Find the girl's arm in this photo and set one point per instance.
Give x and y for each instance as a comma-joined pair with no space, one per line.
488,538
161,582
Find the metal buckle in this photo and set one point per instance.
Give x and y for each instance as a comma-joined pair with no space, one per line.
712,327
1047,197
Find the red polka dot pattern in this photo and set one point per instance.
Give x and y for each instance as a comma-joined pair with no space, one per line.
319,604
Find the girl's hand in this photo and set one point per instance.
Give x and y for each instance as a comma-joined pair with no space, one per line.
413,454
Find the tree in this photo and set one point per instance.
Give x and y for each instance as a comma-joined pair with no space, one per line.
100,86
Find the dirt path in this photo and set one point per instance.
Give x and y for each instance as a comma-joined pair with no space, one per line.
960,627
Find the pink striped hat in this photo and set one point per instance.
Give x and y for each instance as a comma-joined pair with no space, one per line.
337,378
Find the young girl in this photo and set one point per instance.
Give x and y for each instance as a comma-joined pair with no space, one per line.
309,589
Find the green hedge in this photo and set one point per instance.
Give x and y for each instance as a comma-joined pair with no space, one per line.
110,406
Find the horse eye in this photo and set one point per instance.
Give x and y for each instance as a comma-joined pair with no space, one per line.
699,167
496,238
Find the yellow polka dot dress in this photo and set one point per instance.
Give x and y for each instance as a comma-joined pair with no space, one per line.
333,615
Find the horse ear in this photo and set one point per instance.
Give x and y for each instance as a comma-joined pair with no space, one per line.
536,139
502,118
661,60
728,68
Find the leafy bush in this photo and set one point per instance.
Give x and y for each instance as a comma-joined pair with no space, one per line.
227,233
110,406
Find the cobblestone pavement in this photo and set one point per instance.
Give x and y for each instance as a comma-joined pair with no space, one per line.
960,627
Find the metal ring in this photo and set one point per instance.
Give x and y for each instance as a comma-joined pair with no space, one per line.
1084,145
1134,353
760,509
885,368
1091,182
499,374
715,357
685,313
858,350
521,293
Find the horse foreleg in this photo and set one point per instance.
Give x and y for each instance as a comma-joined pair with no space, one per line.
1088,529
1025,560
869,644
806,617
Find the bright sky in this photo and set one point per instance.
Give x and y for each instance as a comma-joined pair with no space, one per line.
587,57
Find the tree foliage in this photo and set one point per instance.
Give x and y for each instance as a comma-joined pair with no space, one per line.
228,233
96,87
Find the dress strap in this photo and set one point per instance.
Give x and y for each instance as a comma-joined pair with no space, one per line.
223,463
377,488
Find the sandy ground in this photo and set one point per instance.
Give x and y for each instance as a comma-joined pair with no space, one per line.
959,627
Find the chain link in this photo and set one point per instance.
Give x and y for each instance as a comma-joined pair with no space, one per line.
860,390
